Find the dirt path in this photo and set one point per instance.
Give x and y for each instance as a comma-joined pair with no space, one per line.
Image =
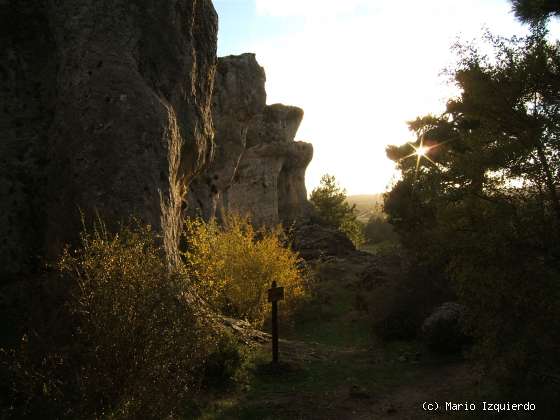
333,369
351,384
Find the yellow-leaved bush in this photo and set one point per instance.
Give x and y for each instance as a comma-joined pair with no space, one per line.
233,265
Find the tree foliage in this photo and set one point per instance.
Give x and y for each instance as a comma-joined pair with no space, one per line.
534,11
482,206
329,200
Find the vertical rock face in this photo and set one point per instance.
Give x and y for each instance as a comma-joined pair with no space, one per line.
270,182
258,168
239,96
106,109
27,97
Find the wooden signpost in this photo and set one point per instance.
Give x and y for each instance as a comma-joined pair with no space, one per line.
274,295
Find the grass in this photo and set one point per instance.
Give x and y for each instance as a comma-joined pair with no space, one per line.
272,394
332,365
331,319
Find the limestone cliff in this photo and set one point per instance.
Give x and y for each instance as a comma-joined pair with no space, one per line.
258,168
105,109
238,97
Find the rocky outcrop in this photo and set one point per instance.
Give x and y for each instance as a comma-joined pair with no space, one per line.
313,241
258,168
270,181
239,96
105,110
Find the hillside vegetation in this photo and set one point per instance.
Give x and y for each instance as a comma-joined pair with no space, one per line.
366,205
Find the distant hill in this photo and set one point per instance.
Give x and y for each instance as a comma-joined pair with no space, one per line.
366,205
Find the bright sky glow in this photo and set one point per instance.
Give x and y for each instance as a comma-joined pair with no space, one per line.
359,69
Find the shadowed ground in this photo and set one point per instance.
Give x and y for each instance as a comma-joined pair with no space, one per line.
332,368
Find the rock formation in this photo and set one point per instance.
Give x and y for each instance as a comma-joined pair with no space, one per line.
105,109
258,168
238,97
313,241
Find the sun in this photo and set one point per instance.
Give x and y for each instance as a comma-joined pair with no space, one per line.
422,151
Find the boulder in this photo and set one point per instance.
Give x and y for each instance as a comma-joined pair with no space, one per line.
314,241
106,110
443,331
371,276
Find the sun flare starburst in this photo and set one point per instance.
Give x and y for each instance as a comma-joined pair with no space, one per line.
420,152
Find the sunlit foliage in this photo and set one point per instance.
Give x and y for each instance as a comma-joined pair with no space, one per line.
329,200
233,265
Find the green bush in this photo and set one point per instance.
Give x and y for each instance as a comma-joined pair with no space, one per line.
378,230
129,343
226,362
233,266
332,209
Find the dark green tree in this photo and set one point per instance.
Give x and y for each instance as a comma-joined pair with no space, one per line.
329,200
478,200
534,11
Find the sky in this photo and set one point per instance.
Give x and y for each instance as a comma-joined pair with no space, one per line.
360,69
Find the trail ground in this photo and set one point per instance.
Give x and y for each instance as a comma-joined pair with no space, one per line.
332,367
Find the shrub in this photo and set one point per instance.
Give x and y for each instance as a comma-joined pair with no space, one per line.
234,265
354,230
226,363
332,209
378,230
129,344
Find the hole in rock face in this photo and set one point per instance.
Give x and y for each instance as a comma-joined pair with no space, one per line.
214,189
99,64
